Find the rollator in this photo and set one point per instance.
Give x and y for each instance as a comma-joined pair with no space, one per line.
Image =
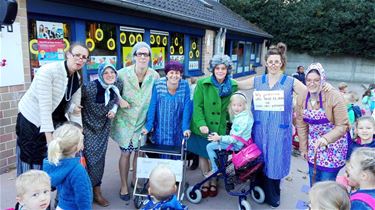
146,164
239,182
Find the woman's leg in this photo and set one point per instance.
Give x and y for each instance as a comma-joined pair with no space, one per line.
272,191
124,171
135,157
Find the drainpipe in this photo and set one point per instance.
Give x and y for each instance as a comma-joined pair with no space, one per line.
218,41
222,41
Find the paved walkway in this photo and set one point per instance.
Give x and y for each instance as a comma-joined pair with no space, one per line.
293,187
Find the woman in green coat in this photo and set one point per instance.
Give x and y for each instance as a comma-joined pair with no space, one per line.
210,114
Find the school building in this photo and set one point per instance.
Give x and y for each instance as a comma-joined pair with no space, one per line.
190,31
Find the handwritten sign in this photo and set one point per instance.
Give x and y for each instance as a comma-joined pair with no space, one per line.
269,100
146,165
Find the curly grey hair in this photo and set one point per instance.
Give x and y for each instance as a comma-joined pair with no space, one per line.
138,46
221,59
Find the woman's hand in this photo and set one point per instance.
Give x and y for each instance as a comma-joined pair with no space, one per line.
204,129
77,109
123,104
214,137
111,115
322,142
144,131
187,133
304,154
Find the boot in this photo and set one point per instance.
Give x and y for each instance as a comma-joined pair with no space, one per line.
98,198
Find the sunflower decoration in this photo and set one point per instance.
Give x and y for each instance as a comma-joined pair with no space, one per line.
165,41
171,49
90,44
122,38
99,34
158,39
34,46
152,39
176,41
67,44
181,50
139,37
131,39
191,54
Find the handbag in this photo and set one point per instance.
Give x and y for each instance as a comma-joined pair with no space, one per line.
247,154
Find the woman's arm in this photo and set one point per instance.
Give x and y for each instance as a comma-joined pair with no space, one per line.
301,126
298,87
246,84
198,110
339,117
151,110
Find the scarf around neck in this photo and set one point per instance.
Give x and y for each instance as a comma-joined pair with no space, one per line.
225,88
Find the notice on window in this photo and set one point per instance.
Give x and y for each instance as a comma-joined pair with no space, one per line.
50,42
269,100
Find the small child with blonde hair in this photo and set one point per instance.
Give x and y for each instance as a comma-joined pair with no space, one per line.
33,190
66,172
242,123
329,195
162,187
343,87
361,172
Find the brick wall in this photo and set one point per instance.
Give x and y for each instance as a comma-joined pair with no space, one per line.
9,98
208,50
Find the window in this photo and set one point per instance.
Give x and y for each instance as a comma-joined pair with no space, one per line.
247,57
234,56
101,41
48,42
159,44
176,49
195,53
128,38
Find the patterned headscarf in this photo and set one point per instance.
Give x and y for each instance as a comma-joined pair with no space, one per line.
320,69
106,86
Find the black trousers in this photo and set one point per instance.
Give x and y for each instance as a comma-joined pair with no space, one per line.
271,189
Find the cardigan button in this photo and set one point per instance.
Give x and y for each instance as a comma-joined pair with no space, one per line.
212,123
214,103
218,113
213,113
216,123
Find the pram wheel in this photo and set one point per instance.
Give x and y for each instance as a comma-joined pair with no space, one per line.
244,205
258,194
138,202
193,196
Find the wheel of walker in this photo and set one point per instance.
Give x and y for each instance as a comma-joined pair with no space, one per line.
138,202
258,194
193,196
244,205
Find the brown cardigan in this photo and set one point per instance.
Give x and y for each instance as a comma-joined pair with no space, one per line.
336,111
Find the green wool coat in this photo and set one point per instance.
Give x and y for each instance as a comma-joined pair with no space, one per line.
209,109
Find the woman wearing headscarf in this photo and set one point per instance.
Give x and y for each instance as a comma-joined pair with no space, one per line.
169,112
99,99
210,113
322,125
138,80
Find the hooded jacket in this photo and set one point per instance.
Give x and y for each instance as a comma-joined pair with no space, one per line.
72,183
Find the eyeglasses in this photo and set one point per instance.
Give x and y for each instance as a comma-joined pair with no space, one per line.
313,81
80,57
141,54
276,63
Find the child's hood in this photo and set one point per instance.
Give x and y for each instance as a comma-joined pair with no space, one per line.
61,171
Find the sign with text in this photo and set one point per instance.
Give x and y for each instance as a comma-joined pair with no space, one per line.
269,100
148,164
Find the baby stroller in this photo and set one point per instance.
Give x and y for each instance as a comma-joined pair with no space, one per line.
145,165
238,182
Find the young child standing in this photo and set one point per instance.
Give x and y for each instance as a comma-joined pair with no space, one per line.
33,190
162,189
66,172
328,195
365,130
361,172
241,129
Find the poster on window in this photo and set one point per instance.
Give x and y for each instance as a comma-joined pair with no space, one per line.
50,41
95,61
158,57
179,58
127,56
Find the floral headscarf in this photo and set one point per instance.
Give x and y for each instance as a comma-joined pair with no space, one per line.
320,69
106,86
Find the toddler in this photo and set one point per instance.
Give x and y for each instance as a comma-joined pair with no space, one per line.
67,173
343,87
361,172
328,195
368,98
162,189
33,190
242,123
365,130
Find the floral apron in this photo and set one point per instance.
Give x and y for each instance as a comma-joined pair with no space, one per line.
331,158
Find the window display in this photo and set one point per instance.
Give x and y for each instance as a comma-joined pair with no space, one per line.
128,38
176,48
195,53
159,44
